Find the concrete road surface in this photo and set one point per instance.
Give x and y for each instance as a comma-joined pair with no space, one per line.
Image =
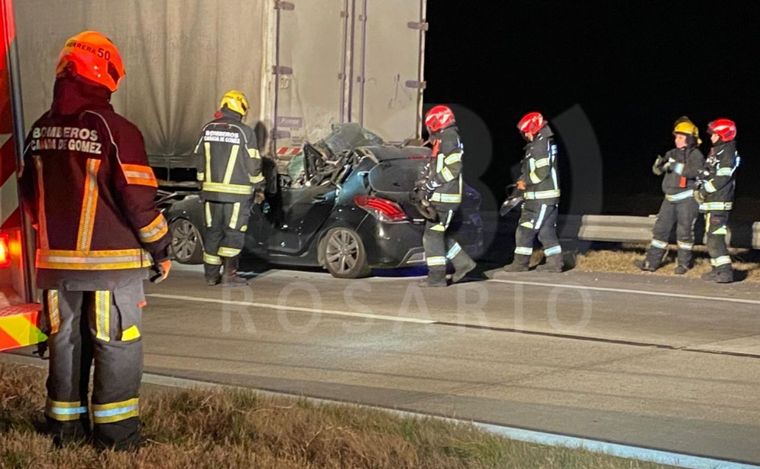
664,363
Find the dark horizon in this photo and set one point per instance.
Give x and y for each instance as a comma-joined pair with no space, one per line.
633,67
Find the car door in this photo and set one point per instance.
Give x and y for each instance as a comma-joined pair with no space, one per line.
303,211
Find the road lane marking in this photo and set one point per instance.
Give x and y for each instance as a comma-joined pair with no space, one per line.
493,328
634,292
329,312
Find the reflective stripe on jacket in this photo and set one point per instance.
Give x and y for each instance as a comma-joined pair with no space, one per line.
86,183
228,161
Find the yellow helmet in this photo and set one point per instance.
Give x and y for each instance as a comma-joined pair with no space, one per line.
235,101
685,126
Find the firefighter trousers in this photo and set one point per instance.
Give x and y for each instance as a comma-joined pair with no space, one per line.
226,225
716,226
441,247
102,327
537,220
683,215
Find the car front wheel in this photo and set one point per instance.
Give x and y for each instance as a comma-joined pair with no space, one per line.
343,254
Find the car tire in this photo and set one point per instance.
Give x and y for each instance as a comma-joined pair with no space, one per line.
343,253
187,244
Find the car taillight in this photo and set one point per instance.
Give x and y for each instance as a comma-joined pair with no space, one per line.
5,251
382,209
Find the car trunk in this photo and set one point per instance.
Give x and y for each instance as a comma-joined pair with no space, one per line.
397,171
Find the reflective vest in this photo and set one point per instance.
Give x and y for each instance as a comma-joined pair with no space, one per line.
228,160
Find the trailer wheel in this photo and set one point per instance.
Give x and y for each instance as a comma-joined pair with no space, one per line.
344,255
187,245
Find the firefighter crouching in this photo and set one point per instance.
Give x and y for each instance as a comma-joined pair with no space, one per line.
679,168
441,189
229,168
540,185
86,184
715,195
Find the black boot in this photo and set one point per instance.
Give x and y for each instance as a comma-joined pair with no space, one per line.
710,276
520,263
654,259
435,278
230,277
724,274
553,264
463,265
644,265
66,433
213,274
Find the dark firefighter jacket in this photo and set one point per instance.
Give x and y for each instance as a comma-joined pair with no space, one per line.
539,168
86,183
683,167
446,168
719,175
228,160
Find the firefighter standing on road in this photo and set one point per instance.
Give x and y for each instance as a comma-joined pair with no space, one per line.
87,186
680,167
540,183
715,196
229,167
443,188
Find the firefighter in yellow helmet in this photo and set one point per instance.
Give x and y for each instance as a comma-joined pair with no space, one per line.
679,169
230,171
87,186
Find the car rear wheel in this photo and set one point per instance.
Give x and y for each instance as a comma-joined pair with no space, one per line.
344,254
186,242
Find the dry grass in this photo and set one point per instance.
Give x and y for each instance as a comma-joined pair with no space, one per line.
746,263
201,428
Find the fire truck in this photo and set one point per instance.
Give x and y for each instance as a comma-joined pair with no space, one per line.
19,312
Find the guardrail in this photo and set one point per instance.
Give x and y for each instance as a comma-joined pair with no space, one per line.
630,229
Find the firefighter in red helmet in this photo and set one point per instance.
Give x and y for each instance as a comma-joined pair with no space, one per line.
441,188
715,195
540,183
86,184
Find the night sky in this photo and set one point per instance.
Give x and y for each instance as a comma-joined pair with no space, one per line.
633,66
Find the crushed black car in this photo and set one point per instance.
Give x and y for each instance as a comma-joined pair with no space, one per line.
342,205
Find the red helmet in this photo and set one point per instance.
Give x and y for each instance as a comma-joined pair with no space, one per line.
531,123
438,118
94,57
723,128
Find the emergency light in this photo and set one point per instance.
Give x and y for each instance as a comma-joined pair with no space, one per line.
5,251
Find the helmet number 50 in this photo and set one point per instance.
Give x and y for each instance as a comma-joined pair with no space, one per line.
104,54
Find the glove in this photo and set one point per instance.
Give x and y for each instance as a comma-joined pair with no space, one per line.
657,167
259,197
669,164
429,187
161,271
521,185
420,196
699,197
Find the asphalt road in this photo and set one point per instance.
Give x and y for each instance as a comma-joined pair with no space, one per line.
668,363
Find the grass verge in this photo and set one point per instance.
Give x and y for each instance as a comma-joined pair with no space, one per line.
235,428
620,259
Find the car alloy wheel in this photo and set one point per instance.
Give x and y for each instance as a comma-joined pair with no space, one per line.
344,253
186,242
